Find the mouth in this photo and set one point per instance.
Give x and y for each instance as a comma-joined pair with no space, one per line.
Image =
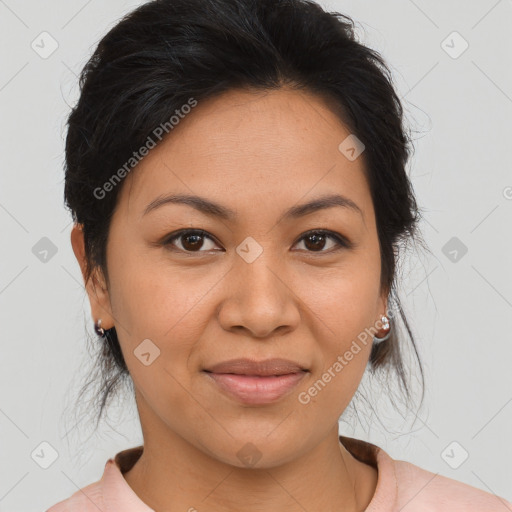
265,368
256,382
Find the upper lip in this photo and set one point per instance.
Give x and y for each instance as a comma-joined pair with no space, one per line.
262,368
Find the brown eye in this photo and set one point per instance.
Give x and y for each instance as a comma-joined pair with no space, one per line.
191,241
316,241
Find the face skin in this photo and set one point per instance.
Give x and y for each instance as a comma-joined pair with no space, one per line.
257,154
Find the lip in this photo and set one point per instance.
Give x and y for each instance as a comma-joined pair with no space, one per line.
254,390
265,368
256,382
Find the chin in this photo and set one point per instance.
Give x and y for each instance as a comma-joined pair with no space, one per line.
256,447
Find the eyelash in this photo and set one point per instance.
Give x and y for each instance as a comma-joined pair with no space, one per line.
342,242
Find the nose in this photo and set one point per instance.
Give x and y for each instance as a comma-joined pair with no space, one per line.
260,300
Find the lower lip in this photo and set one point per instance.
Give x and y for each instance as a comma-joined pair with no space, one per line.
254,390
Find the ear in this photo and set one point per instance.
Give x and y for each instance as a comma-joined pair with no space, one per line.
95,286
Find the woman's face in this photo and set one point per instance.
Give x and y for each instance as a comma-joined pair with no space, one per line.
256,286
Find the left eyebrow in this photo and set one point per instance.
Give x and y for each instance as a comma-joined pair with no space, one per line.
214,209
321,203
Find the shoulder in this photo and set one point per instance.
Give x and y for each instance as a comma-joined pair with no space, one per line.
111,489
87,499
421,490
404,486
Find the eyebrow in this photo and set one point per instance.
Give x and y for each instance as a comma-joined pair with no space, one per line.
213,209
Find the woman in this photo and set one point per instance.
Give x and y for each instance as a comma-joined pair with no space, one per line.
236,174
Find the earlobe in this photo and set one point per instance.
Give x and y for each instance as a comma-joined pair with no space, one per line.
382,312
95,284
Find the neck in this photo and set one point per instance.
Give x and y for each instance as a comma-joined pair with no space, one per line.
173,475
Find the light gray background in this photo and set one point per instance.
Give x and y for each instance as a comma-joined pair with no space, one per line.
461,312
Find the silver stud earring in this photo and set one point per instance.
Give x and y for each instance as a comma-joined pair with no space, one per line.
99,330
385,325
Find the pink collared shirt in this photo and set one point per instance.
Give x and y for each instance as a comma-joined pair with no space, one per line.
401,487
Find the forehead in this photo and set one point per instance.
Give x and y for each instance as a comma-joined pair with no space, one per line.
252,147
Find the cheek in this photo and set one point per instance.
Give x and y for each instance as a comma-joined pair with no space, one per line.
141,293
344,298
343,306
167,310
153,300
342,312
